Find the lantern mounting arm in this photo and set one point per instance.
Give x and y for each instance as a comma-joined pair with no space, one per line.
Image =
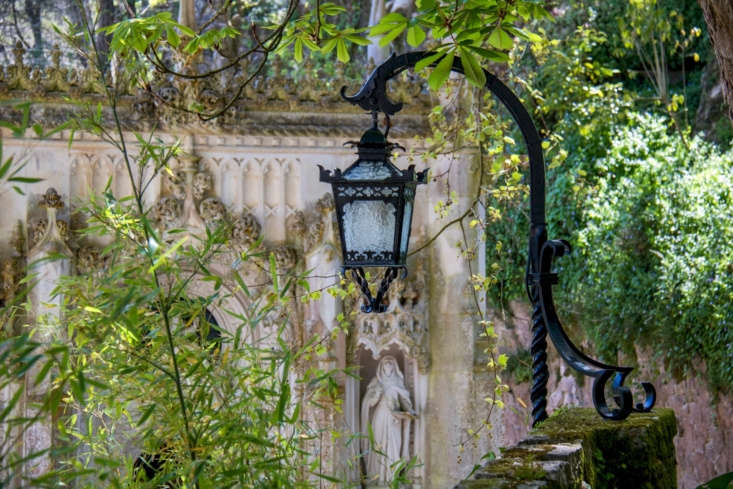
372,96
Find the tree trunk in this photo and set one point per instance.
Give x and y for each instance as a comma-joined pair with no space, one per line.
33,11
719,19
106,18
187,13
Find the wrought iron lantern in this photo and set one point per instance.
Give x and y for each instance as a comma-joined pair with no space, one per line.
374,205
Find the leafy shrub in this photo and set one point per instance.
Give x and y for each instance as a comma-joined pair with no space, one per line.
652,259
647,212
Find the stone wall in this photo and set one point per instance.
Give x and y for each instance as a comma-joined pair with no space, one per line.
575,449
704,445
262,176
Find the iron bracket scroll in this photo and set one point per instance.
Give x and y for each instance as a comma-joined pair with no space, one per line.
539,284
372,96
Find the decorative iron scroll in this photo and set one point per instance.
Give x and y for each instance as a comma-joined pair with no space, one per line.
372,96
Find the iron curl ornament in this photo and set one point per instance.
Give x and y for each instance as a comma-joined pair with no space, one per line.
540,278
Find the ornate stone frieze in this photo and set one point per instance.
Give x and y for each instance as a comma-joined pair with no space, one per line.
89,259
167,211
285,257
267,105
187,201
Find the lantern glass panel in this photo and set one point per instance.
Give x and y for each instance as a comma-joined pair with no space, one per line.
369,227
406,221
370,170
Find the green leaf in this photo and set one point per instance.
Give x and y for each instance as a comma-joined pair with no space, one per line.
273,274
146,414
525,34
500,39
426,4
471,68
341,52
428,60
24,179
440,73
298,50
43,372
332,9
490,54
361,41
326,477
502,360
390,36
186,31
415,36
13,401
6,166
172,37
328,45
390,23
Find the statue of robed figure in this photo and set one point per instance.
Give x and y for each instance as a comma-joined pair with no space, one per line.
387,408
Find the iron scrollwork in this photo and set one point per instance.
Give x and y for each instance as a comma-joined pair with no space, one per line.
372,96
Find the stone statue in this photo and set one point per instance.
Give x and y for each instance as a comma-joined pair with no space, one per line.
388,410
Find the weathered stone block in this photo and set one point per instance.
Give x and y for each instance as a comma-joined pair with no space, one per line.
576,449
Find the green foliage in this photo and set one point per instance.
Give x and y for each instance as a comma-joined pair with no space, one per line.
721,482
475,31
211,413
316,31
652,259
519,366
646,211
222,413
576,105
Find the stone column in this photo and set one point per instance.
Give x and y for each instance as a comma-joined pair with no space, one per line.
49,260
450,406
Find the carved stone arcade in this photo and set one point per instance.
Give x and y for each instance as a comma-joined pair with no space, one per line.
255,169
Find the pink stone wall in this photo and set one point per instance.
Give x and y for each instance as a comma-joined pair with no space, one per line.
704,443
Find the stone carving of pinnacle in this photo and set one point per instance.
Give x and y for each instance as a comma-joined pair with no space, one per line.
52,242
51,199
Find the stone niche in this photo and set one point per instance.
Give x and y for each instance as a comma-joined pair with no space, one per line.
390,394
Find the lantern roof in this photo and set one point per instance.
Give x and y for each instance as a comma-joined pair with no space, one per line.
373,137
374,163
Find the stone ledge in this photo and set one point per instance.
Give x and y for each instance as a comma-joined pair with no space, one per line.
576,449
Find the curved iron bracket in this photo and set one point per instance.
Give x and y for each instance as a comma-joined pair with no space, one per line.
372,96
601,372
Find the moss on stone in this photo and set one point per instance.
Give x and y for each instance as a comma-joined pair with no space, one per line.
576,445
637,452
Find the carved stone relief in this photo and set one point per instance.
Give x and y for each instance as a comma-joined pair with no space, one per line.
13,265
259,199
404,323
392,343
